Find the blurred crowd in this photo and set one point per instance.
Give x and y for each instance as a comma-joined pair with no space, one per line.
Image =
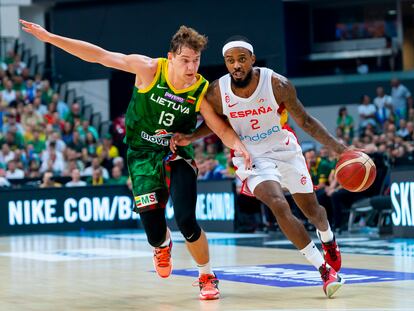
45,140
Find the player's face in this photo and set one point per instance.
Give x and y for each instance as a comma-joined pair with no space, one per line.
185,64
239,63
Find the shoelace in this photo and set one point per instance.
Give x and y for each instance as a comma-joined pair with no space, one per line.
206,282
163,256
324,273
331,249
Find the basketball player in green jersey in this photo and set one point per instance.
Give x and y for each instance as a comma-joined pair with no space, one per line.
168,94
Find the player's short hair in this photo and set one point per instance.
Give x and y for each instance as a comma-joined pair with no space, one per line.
187,37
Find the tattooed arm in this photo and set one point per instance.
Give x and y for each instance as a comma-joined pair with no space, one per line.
285,93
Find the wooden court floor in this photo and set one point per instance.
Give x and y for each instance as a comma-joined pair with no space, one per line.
113,271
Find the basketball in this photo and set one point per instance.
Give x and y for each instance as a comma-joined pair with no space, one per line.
355,171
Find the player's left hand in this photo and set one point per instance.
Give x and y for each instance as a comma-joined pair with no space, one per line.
179,139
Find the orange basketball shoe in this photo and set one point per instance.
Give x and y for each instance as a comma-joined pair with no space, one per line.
332,254
162,260
208,284
331,280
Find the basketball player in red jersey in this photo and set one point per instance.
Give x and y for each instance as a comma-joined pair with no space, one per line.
256,102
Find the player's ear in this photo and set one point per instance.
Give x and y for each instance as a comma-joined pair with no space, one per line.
170,56
253,58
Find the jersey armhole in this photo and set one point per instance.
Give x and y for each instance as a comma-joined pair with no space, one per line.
157,75
200,98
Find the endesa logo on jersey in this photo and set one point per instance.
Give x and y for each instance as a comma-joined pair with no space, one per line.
250,112
262,135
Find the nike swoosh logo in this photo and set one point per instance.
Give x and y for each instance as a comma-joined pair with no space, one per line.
189,237
288,141
162,87
232,105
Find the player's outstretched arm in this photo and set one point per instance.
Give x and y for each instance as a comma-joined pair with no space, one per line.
137,64
285,93
224,131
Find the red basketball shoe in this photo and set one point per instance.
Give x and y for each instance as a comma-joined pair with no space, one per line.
331,280
332,254
208,284
162,260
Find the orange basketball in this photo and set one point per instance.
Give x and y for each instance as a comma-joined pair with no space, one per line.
355,171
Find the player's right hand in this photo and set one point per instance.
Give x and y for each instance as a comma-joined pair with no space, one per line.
241,150
36,30
179,139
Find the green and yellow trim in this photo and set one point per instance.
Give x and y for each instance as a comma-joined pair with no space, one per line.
200,98
157,75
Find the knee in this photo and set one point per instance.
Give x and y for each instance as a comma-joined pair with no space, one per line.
156,237
189,228
314,211
279,207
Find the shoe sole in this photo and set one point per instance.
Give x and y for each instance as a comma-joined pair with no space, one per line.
210,297
333,287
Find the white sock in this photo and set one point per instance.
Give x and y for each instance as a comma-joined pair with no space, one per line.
326,236
204,269
167,239
312,254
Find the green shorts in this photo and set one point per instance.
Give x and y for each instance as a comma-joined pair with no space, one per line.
147,172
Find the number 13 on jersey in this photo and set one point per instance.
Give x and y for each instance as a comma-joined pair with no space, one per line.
166,118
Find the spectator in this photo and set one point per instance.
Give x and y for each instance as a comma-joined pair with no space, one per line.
48,182
76,181
39,107
34,169
97,179
94,166
47,92
61,107
76,143
119,162
52,160
31,118
6,154
85,128
12,121
73,114
346,123
117,177
383,103
39,144
8,94
214,169
366,111
401,99
30,91
111,150
403,131
54,137
90,144
13,172
361,68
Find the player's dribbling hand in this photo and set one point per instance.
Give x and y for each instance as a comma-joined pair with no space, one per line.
179,139
36,30
241,150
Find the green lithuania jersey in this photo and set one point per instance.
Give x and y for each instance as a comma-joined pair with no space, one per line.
157,112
